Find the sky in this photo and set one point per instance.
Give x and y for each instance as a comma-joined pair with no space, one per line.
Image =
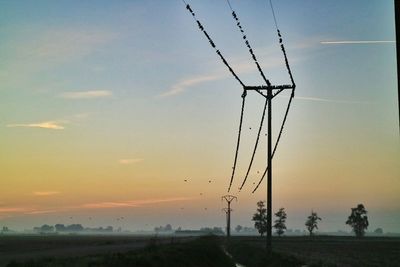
107,107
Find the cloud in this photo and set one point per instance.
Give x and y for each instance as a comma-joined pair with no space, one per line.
53,125
41,212
183,84
130,161
42,50
243,65
318,99
357,42
132,203
46,193
13,209
6,212
64,44
87,94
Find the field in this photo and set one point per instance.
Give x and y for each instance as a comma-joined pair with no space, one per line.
332,250
28,247
191,251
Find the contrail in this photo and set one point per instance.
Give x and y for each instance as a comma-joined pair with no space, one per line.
357,42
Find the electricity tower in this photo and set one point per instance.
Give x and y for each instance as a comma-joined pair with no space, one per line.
271,92
228,199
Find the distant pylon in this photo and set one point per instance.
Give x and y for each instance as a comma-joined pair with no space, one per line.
228,199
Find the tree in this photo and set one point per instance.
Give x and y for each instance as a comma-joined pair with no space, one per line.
168,228
60,227
260,218
74,228
280,222
312,222
378,231
358,220
238,228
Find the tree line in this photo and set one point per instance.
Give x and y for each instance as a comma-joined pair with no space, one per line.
358,220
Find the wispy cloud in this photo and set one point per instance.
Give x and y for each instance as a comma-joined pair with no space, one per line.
130,161
357,42
46,193
13,209
52,125
33,212
132,203
318,99
241,65
64,44
87,94
44,50
6,212
181,86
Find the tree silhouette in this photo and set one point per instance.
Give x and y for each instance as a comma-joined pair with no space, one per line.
280,222
358,220
238,228
260,218
312,222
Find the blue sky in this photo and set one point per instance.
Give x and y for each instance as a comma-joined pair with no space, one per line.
129,94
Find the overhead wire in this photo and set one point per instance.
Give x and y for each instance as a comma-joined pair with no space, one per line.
240,27
238,139
276,143
256,144
251,51
291,96
201,27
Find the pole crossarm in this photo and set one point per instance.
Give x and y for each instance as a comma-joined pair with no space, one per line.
268,87
280,88
227,210
229,198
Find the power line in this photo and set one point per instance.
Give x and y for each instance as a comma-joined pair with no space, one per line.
238,139
256,144
277,142
291,96
201,27
270,95
273,14
251,51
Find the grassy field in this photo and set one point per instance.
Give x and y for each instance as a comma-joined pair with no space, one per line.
203,252
329,250
199,252
26,247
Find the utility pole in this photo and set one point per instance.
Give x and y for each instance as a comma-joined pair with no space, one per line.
228,199
397,21
270,95
269,177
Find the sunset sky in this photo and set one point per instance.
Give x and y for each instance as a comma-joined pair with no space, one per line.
106,107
